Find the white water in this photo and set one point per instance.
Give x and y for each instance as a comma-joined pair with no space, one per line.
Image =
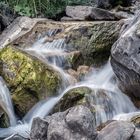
102,78
6,103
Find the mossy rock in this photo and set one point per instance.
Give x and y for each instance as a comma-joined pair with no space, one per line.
93,41
28,79
84,96
73,97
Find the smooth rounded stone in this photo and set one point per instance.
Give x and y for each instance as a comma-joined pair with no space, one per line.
76,123
28,79
39,129
125,59
136,135
73,97
93,99
81,120
118,130
88,13
80,126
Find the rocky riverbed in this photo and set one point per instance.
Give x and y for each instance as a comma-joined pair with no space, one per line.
73,79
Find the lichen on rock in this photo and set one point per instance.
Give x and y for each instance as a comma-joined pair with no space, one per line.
28,79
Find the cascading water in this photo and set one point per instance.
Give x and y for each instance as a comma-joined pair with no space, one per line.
6,103
98,79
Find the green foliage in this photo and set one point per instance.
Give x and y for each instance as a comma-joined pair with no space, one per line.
49,8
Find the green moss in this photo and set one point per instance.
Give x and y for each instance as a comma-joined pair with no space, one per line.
28,79
94,41
73,97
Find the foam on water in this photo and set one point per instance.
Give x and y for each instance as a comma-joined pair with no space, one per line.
102,78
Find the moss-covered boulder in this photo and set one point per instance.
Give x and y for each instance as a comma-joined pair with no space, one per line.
73,97
94,42
28,79
96,100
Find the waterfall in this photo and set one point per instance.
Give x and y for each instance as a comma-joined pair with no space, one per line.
102,78
6,103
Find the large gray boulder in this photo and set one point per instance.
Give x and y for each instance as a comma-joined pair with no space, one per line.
126,59
88,13
117,130
76,123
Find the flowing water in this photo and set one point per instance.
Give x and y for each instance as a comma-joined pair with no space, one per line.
102,78
6,103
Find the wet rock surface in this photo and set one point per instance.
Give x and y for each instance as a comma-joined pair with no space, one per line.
92,39
125,59
88,13
99,101
28,79
117,130
79,123
75,123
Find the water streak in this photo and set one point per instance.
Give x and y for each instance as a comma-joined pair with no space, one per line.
6,103
99,79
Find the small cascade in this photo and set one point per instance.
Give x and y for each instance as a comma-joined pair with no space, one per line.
126,116
6,103
52,53
102,82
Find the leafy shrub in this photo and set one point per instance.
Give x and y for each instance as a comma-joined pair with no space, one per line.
49,8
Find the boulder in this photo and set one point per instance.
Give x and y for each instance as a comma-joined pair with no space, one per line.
29,80
92,40
102,103
75,123
118,130
125,59
39,129
88,13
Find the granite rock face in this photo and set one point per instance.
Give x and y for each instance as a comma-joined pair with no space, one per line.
126,59
117,130
88,13
75,123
